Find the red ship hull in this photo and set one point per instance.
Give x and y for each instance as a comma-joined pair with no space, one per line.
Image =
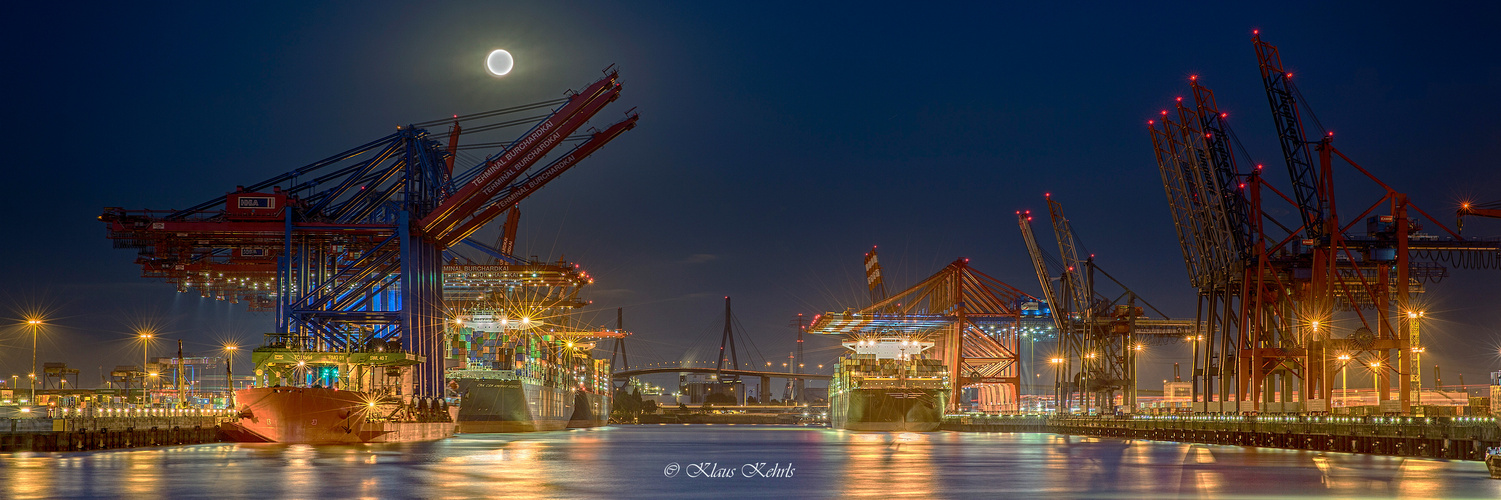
324,416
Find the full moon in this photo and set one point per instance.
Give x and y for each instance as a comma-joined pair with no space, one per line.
499,62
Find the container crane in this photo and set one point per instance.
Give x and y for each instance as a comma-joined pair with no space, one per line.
336,255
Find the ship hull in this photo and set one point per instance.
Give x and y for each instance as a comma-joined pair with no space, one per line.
503,402
888,410
323,416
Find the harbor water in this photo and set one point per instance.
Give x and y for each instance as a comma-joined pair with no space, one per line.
722,461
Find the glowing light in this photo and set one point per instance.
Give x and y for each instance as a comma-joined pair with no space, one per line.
499,62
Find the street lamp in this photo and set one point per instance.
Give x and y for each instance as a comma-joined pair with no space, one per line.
1418,374
1376,379
33,324
1134,385
229,372
1344,379
1057,383
146,336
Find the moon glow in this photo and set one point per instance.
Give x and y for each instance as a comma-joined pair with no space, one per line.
499,62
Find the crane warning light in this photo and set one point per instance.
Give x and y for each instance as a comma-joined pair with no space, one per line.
1164,112
1255,32
1224,115
1180,99
1289,75
1193,77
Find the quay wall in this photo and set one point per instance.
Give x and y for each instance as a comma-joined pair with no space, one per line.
105,433
1458,438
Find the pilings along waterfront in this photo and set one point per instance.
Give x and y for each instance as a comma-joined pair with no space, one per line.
1460,438
1456,438
102,429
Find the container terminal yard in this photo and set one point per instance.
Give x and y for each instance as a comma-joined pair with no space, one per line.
385,302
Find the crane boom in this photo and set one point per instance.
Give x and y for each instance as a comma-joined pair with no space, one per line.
1206,195
1233,201
1177,200
505,167
1283,97
534,182
1044,279
1072,267
873,278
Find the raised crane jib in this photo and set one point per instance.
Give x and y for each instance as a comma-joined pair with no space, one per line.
1073,268
499,171
531,184
1044,279
1283,98
874,280
1233,201
1177,199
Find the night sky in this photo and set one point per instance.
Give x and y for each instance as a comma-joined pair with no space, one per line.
777,144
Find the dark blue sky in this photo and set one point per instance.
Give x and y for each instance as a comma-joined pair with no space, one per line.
777,142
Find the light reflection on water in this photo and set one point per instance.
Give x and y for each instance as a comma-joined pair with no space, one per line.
630,462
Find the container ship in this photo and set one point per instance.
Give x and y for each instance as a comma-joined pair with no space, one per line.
311,396
517,376
885,383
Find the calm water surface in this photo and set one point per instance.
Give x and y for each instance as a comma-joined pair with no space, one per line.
635,461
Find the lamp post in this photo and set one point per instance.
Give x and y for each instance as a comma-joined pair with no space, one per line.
1344,379
1376,380
1024,364
229,373
1417,376
1324,359
33,324
146,336
1057,384
1134,385
1083,391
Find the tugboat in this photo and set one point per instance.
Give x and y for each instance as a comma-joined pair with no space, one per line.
311,396
884,383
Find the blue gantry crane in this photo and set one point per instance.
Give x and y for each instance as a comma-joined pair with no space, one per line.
348,251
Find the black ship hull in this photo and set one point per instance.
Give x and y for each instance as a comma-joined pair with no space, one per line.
894,409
